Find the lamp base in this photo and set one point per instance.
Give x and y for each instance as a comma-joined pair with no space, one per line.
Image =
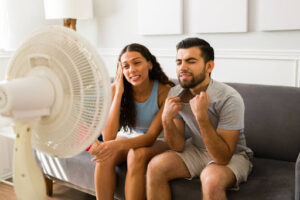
70,23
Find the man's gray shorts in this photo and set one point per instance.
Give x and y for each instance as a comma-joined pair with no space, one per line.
197,159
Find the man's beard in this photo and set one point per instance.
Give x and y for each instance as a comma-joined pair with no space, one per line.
196,80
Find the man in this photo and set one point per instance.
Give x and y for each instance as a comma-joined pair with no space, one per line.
213,114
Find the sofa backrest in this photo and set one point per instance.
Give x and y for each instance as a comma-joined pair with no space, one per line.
272,120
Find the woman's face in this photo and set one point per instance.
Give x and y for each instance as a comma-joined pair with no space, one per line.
135,67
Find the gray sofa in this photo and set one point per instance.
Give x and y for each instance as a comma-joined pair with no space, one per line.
272,129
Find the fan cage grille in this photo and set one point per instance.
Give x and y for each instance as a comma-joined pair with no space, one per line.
85,84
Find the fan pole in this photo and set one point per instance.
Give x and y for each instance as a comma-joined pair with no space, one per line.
28,179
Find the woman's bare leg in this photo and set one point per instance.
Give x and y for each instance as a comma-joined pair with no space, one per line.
105,176
137,160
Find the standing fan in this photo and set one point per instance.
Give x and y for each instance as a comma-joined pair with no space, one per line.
57,91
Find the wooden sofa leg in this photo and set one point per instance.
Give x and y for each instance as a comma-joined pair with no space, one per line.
49,186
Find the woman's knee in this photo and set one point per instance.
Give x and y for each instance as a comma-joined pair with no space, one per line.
136,159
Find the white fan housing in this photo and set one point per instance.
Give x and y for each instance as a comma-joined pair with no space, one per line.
57,88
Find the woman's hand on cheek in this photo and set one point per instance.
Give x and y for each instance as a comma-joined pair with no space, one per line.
119,79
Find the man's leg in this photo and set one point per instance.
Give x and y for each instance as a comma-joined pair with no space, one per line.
214,180
137,160
161,169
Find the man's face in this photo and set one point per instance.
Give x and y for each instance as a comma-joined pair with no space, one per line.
191,69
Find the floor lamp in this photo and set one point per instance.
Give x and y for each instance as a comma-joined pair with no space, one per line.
68,10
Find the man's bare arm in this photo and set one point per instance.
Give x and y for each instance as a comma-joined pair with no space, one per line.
220,143
174,134
173,127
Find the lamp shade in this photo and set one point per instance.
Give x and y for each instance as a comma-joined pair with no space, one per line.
17,21
76,9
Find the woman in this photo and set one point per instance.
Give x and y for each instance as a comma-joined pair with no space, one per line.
138,95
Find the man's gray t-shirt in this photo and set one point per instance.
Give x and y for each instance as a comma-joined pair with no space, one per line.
226,111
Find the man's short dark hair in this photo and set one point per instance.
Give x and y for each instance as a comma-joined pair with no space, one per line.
206,49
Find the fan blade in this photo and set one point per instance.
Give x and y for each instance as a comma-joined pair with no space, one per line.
28,179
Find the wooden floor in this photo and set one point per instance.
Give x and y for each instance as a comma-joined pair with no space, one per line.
60,192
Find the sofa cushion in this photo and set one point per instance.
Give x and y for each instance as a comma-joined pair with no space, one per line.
269,180
77,171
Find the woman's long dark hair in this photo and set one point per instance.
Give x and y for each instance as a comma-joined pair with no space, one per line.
128,111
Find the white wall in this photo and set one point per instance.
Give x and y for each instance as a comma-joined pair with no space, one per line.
252,57
117,26
6,152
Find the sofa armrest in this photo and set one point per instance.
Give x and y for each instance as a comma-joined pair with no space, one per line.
297,175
